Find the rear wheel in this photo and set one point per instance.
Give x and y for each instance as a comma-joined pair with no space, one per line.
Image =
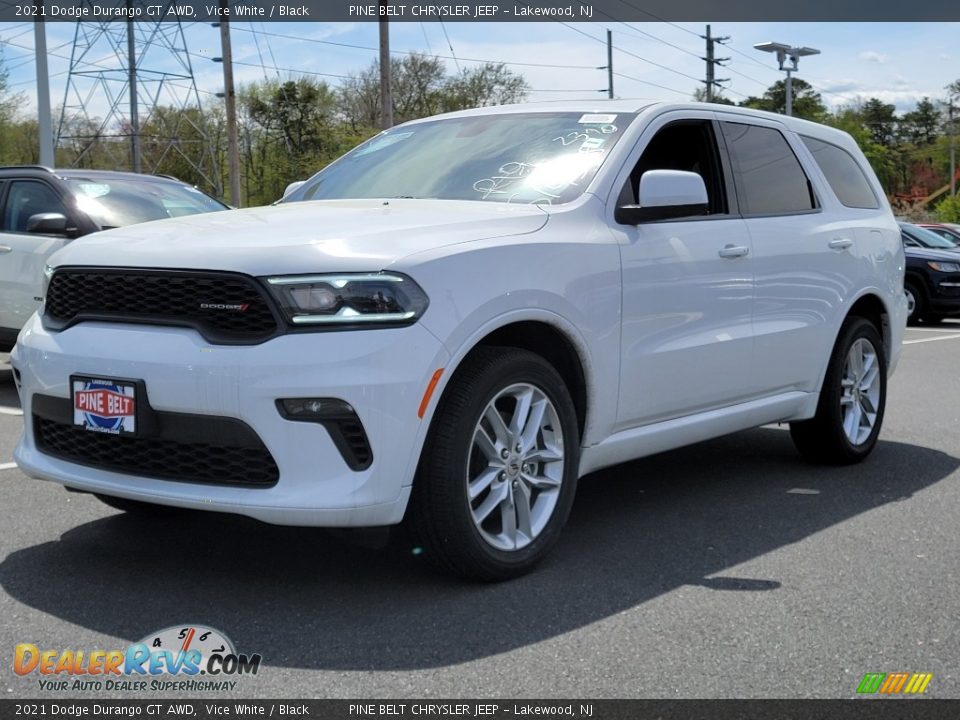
852,400
499,471
915,303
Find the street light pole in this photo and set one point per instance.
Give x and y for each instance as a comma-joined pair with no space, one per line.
785,52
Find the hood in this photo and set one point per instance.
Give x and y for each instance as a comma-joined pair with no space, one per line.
302,237
931,254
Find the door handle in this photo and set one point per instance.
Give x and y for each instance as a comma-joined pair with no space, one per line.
733,251
5,249
840,243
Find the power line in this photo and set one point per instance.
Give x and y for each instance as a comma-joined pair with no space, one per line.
413,52
648,82
633,55
450,45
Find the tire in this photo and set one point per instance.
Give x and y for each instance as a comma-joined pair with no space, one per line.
844,430
468,499
933,319
138,507
915,303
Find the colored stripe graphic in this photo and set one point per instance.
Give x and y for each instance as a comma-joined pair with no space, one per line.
918,683
894,683
871,682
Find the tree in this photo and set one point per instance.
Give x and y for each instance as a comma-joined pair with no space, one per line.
921,126
880,118
948,209
700,95
421,87
807,102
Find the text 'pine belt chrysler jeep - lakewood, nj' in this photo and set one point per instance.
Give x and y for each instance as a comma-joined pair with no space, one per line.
452,323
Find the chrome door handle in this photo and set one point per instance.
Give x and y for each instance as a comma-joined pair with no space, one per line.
840,243
733,251
5,249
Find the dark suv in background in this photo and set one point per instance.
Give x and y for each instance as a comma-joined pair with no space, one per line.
932,281
41,210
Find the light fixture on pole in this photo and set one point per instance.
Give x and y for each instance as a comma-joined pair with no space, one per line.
785,52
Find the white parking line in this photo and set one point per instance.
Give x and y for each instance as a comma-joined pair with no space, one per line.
946,329
6,410
931,339
7,466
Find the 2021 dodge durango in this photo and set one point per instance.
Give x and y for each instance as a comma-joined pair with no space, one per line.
455,321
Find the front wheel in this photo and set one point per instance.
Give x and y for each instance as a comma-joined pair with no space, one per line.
852,399
499,471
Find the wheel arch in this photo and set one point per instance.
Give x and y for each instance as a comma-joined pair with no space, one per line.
870,306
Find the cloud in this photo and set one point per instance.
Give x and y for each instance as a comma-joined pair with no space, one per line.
873,56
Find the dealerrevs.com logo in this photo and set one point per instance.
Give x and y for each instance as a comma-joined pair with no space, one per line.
181,657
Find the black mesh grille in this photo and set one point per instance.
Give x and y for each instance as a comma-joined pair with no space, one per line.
163,297
154,457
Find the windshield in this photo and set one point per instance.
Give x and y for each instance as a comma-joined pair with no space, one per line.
928,239
114,203
524,158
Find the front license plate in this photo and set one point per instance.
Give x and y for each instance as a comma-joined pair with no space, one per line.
104,405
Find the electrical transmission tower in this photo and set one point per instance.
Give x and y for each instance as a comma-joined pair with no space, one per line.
131,101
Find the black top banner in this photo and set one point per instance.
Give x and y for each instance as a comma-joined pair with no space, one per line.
201,709
605,11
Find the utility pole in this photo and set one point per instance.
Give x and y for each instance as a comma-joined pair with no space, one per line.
609,64
43,92
230,100
953,149
608,67
386,98
132,71
711,82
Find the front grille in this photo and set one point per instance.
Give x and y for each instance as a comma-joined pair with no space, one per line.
163,298
249,466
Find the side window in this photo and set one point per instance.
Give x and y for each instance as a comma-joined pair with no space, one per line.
26,198
770,179
843,173
908,241
685,145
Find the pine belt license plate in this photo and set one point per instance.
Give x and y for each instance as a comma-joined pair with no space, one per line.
104,405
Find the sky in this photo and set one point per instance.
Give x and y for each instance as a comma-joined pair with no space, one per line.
896,62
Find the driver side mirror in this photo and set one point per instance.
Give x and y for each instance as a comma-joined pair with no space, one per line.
49,224
664,195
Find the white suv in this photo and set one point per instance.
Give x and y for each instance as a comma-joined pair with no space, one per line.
460,317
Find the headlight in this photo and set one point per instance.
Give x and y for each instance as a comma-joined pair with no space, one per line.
944,266
47,274
349,299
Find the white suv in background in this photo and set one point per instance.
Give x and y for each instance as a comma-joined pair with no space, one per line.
459,318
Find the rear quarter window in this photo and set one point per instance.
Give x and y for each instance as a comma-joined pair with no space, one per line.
844,174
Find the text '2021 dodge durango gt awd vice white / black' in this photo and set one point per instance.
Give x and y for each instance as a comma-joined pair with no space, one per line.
457,319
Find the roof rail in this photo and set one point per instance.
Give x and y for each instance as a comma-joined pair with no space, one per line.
27,167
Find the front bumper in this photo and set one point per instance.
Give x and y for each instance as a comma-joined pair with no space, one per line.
381,373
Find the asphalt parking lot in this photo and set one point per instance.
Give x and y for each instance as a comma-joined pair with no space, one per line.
727,569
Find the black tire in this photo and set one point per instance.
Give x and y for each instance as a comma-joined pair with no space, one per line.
138,507
823,439
441,519
919,302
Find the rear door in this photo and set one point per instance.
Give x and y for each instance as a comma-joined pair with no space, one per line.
804,253
22,254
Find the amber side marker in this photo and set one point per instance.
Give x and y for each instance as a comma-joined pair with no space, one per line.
428,393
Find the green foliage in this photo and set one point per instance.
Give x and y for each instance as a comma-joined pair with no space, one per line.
807,103
948,209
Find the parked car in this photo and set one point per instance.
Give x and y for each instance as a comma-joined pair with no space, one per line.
42,210
932,284
459,318
917,236
947,231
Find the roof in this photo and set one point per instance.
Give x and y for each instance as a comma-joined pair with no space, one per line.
92,174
